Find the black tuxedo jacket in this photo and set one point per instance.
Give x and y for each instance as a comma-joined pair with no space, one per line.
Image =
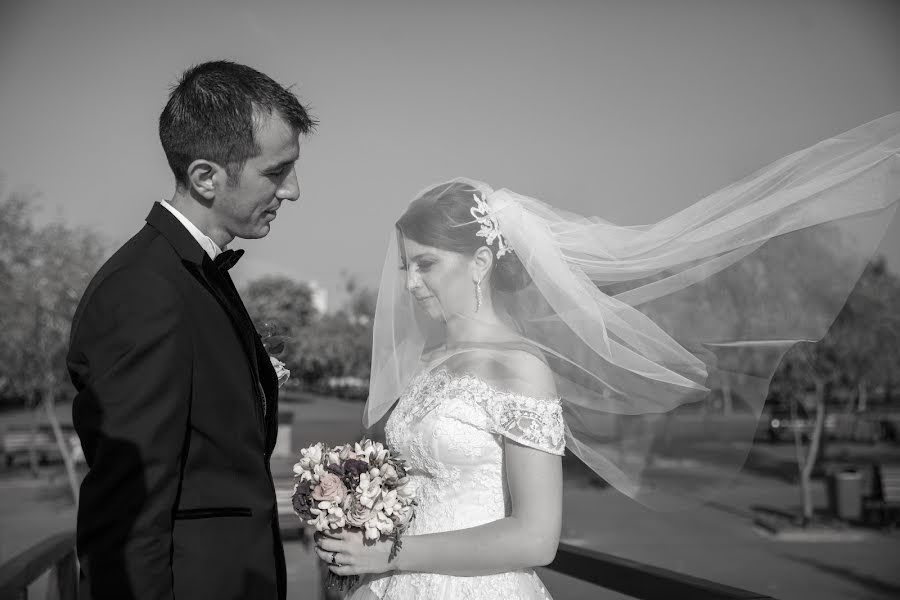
176,409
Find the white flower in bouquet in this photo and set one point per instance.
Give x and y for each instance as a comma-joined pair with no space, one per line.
314,452
333,457
328,515
404,490
345,451
372,452
380,524
309,458
388,503
389,474
369,489
402,515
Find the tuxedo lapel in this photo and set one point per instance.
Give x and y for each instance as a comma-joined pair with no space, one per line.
208,274
198,263
269,382
264,371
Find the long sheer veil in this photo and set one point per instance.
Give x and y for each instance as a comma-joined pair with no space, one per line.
663,338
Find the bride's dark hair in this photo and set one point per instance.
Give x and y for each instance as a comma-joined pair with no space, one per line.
442,218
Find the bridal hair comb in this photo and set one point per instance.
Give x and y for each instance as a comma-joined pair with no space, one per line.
490,227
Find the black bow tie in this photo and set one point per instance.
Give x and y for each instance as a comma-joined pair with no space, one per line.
227,259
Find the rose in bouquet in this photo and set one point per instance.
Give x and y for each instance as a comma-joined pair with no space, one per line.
361,486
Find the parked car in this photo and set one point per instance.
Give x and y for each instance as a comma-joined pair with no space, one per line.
15,441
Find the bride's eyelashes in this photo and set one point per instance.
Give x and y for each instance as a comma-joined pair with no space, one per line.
421,266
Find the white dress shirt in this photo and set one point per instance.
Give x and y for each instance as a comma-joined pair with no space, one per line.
209,246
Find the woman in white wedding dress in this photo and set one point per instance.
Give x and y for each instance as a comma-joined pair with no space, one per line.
512,331
480,427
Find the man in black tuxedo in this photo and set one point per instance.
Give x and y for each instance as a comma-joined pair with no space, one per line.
176,402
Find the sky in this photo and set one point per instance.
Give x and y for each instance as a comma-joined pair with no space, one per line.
626,109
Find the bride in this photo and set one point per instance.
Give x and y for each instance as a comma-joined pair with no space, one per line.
480,425
508,331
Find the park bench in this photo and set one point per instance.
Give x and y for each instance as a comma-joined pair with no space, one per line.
15,441
885,498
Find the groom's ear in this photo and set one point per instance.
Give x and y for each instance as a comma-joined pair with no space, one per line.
204,175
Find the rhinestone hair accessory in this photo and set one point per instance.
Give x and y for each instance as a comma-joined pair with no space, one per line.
490,227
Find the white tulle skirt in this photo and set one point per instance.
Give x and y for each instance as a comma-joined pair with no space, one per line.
514,585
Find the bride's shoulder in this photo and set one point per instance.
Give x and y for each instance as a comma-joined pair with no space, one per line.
513,370
520,401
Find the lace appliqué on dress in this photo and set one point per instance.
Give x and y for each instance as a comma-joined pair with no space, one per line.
534,422
450,428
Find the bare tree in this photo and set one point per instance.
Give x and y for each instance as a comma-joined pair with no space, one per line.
16,236
49,267
860,350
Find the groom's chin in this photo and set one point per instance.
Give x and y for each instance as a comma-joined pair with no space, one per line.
260,231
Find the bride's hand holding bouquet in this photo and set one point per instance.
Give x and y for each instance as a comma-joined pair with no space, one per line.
358,498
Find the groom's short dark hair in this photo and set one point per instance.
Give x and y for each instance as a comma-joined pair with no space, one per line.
211,112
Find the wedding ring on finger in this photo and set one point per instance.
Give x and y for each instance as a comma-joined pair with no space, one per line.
334,560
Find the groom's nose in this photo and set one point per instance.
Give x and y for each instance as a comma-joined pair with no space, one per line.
290,187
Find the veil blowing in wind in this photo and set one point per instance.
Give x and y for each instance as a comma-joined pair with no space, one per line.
650,330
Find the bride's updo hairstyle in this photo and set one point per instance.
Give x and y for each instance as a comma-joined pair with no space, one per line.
442,218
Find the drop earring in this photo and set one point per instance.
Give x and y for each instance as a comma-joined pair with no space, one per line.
478,296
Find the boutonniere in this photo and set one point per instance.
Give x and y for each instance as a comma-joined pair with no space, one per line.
281,371
273,342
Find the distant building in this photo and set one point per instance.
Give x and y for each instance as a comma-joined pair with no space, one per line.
319,296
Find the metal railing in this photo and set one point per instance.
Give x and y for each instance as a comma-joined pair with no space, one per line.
605,571
639,580
55,554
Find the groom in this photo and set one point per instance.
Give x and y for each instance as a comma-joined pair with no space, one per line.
176,402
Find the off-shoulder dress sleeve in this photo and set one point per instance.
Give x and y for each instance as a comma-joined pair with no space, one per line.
534,422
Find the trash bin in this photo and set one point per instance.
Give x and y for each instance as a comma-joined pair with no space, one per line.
845,492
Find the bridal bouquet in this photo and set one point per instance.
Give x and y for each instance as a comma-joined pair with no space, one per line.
360,485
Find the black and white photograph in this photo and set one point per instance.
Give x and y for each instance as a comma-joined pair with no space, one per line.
496,300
